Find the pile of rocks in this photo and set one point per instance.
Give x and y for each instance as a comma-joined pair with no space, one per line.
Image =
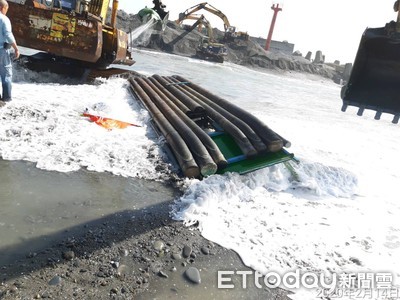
176,40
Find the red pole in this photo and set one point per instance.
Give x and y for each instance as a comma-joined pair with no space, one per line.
276,9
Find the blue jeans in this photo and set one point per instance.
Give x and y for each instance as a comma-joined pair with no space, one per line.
6,73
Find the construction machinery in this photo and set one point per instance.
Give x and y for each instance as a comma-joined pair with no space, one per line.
157,15
72,37
230,31
374,81
208,48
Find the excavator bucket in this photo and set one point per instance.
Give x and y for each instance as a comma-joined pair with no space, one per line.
374,81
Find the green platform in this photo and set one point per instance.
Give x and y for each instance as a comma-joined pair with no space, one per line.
238,163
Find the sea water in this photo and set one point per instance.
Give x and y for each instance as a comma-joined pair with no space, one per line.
338,214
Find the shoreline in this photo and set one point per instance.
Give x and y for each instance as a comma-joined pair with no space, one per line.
129,254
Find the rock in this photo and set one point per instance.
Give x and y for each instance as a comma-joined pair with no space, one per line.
193,275
187,250
124,252
68,255
162,274
205,250
176,256
158,245
56,280
122,270
101,274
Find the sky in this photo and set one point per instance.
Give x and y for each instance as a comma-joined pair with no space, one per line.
334,27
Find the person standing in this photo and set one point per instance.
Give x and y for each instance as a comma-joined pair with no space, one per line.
7,41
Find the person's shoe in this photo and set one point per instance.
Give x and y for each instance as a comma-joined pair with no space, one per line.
2,103
6,99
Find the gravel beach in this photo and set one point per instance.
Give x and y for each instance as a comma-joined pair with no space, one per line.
136,253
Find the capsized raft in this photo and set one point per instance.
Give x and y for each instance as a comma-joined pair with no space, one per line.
205,133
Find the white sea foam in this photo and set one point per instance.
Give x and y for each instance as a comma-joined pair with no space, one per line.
43,124
276,223
340,215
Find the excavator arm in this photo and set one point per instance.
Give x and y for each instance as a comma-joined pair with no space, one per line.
208,49
201,22
207,7
230,31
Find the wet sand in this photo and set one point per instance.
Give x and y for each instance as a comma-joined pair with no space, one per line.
86,235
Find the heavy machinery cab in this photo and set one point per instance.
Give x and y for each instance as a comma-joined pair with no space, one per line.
71,30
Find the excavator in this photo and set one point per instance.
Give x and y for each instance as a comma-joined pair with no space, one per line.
375,77
230,31
208,48
158,15
71,37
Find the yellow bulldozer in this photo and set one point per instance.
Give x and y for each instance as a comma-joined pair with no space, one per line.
70,36
375,77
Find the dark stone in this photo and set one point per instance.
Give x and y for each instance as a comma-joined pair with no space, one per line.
205,250
187,250
56,280
193,275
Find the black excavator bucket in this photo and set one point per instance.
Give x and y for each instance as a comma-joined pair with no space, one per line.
374,81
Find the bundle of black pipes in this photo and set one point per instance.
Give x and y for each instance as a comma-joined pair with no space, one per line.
172,100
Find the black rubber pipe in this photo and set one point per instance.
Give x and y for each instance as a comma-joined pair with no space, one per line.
207,141
199,151
246,129
240,138
270,138
193,106
181,151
